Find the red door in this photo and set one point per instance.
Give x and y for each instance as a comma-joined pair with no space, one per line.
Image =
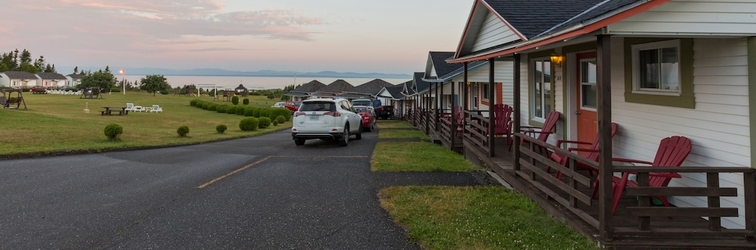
586,97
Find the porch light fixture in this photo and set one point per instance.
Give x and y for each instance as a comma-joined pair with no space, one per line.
556,59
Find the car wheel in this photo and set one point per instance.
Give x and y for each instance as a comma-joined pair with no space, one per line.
368,128
299,142
345,137
358,136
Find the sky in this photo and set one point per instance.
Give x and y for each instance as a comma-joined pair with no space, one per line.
366,36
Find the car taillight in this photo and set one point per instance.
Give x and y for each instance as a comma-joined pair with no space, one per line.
333,113
380,109
298,113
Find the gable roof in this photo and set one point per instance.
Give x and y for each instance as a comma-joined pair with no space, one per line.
544,22
309,87
51,76
372,87
20,75
418,84
437,62
75,76
338,86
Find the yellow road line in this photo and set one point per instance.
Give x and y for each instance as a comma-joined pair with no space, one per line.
232,172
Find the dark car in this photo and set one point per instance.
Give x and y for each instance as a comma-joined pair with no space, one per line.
384,112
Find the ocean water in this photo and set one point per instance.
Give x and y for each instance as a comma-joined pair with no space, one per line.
250,82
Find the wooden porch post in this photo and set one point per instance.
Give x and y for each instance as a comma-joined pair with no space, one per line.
453,119
604,77
466,103
516,111
427,111
491,103
439,101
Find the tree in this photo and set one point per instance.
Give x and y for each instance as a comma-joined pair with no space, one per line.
154,83
101,79
25,57
76,70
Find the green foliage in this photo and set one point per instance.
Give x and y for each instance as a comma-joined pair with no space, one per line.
265,112
240,110
275,122
212,107
182,131
206,105
264,122
101,79
249,111
114,90
154,83
231,109
248,124
113,131
194,102
200,104
280,119
235,100
276,112
221,128
164,92
221,108
245,101
10,62
271,96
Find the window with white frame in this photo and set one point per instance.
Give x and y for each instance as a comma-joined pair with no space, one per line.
656,67
540,99
485,90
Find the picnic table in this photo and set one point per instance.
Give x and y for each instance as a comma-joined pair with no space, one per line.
121,110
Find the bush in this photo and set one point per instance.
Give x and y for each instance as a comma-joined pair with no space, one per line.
280,119
164,92
221,108
212,107
194,102
276,112
231,110
25,90
240,110
275,123
221,128
248,124
113,131
235,100
249,111
182,131
206,105
264,122
245,101
199,104
265,112
115,90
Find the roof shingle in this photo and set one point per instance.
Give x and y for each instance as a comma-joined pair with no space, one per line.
371,87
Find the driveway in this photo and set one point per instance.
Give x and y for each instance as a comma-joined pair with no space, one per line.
252,193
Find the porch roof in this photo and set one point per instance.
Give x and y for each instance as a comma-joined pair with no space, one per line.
562,20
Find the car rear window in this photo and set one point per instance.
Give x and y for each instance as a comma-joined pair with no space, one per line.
362,103
361,109
318,106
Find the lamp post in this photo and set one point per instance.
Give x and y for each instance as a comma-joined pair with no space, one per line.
123,81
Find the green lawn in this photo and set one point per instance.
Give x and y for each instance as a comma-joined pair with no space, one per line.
57,123
417,156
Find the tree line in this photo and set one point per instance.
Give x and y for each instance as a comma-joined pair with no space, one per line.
15,61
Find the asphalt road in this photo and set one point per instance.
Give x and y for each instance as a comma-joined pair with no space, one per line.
253,193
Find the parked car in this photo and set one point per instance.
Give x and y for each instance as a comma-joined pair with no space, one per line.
292,106
368,117
329,119
385,112
279,105
362,102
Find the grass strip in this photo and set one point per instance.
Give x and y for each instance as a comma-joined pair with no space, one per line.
418,157
484,217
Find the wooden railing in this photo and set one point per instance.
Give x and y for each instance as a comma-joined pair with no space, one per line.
476,130
570,195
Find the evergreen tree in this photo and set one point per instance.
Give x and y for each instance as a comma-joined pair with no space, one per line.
107,69
76,70
26,57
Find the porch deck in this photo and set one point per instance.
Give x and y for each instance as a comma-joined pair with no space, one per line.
626,229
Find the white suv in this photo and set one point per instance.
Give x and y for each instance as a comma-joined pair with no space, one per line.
330,119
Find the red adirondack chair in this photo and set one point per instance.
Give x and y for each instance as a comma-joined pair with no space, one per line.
543,132
459,117
593,152
671,153
503,121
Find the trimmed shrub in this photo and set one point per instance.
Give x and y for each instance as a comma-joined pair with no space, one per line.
240,110
265,112
212,107
248,124
182,131
221,108
199,104
256,113
280,119
194,102
276,112
231,110
164,92
113,131
264,122
235,100
249,111
221,128
206,105
245,101
275,123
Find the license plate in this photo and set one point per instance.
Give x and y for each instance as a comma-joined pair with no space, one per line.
313,118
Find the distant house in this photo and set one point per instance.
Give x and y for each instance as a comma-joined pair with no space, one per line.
50,79
336,88
73,79
18,79
392,95
369,89
305,91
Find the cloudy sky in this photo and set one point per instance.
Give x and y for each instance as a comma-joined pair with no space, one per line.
386,36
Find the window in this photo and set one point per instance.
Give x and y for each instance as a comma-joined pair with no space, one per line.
540,94
588,96
656,67
659,71
474,93
485,91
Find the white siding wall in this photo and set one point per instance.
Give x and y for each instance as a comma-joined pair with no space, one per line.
718,126
4,81
692,17
502,73
492,33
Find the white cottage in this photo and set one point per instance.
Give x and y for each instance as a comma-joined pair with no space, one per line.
18,79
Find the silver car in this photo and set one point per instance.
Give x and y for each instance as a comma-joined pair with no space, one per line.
329,119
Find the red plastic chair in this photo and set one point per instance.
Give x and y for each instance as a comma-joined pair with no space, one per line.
543,132
593,152
671,153
503,122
